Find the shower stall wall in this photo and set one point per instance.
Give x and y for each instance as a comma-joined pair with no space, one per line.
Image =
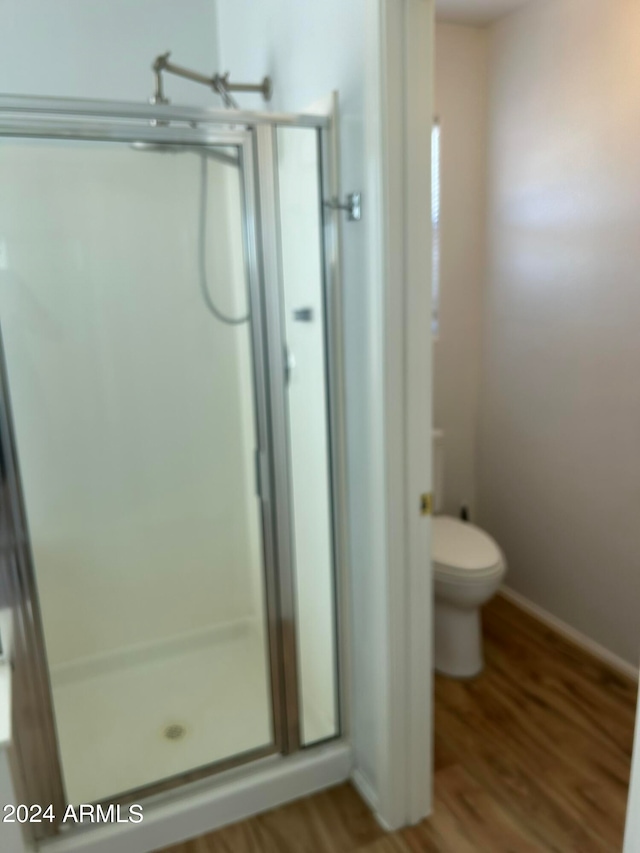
170,437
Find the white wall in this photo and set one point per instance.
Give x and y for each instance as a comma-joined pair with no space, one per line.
461,107
560,467
302,47
93,49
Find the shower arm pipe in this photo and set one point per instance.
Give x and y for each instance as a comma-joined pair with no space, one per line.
219,83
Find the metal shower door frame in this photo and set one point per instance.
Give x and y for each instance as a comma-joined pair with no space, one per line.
37,755
329,239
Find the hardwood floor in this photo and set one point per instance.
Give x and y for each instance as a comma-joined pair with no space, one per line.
534,755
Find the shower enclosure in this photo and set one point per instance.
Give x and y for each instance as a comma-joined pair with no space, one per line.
169,436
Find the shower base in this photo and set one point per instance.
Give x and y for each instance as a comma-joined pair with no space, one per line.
140,723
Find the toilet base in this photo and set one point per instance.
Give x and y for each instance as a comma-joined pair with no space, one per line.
458,641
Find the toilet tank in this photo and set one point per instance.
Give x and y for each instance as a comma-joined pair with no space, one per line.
437,439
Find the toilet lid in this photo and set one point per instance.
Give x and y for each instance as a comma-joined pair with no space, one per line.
459,545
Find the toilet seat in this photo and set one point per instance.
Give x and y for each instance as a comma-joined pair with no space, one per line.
462,552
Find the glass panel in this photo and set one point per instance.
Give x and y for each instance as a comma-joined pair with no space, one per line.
135,425
301,230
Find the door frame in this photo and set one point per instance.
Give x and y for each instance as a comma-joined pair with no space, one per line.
632,828
395,774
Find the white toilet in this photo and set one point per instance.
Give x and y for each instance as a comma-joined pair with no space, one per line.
468,570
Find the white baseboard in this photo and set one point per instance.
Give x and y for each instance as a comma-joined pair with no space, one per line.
577,637
263,786
366,791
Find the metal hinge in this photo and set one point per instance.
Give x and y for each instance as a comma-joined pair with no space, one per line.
352,205
426,504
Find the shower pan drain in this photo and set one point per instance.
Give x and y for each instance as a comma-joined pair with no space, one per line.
176,731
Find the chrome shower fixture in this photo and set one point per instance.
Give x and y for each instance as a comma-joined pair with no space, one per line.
218,82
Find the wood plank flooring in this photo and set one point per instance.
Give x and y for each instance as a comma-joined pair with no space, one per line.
534,755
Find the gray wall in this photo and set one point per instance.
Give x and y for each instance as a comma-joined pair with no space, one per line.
560,424
461,106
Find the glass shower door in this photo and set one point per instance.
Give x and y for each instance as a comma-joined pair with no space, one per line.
128,324
306,320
